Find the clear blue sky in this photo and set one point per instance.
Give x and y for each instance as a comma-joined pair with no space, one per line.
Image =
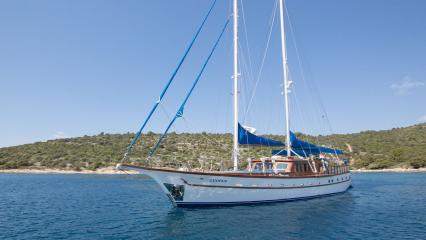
70,68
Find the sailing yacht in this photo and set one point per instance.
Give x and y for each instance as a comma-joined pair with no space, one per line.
298,171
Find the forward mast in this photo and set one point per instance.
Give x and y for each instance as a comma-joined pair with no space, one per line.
286,87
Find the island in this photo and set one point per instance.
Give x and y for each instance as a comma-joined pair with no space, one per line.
397,149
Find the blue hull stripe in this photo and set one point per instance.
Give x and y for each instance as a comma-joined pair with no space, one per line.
212,204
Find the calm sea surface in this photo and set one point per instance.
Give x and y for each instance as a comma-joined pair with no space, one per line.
54,206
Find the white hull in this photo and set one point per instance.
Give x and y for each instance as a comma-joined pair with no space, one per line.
198,189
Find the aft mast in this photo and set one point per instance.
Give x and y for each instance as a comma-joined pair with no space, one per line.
236,151
287,83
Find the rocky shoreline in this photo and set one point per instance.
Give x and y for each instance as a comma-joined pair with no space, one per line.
112,170
398,170
106,170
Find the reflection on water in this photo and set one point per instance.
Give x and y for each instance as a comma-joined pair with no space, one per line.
291,219
380,206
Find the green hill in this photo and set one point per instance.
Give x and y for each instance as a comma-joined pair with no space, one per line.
399,147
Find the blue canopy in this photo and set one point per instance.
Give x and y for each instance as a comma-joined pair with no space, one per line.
305,149
247,138
309,148
298,146
283,152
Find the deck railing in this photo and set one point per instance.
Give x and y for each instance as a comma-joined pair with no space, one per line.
337,170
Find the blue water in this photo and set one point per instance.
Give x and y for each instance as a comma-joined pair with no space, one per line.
49,206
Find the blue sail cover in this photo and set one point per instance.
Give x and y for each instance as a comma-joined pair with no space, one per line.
303,148
283,152
310,148
247,138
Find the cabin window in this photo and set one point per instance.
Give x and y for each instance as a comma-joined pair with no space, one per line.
305,167
258,167
281,166
268,166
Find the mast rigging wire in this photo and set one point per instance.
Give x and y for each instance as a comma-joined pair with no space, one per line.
263,60
313,87
250,65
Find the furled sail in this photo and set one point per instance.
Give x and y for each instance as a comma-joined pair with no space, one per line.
245,137
303,148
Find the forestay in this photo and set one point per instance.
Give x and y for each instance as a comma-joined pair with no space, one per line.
139,133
